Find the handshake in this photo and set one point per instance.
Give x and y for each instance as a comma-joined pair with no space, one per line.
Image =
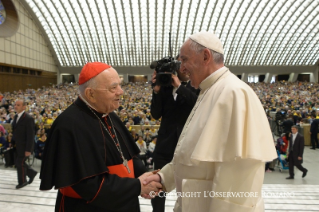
150,184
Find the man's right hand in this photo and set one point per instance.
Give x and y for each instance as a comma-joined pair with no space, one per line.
151,186
156,88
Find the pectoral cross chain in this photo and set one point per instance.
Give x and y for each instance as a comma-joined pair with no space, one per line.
126,165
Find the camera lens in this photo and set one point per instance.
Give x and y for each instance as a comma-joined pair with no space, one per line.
164,79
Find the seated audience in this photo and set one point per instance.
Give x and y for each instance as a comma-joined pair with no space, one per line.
39,147
142,146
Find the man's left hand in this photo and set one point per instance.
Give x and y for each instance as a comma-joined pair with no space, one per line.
175,81
299,158
27,154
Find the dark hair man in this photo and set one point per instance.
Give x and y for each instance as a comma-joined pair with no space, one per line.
173,104
287,124
314,129
295,155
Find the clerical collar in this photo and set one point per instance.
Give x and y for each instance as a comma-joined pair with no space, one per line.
211,79
88,104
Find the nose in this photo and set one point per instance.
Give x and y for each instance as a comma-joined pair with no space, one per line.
182,68
120,91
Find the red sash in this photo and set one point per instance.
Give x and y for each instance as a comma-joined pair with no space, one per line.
120,170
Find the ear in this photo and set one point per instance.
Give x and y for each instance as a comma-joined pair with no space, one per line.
207,56
89,94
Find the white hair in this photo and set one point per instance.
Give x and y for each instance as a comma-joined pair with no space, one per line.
217,57
92,83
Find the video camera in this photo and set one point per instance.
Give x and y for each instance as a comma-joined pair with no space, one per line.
165,67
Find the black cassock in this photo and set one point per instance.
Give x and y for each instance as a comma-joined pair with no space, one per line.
77,153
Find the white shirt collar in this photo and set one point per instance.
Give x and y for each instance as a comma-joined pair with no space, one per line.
20,114
294,136
88,104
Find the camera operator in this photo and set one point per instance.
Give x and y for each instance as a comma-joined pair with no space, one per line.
279,119
174,104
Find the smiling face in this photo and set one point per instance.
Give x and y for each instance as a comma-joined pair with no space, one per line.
192,64
182,75
105,96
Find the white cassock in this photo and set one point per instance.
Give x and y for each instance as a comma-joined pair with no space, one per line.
223,148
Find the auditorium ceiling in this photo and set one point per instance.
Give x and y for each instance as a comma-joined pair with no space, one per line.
136,32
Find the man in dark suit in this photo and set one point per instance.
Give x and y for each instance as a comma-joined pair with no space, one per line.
296,147
287,124
23,138
314,131
173,104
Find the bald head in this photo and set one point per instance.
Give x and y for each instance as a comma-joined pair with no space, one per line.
19,105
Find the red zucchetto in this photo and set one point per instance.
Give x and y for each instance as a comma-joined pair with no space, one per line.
91,70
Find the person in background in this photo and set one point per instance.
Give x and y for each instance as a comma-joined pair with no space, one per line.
295,155
314,129
172,104
134,135
150,150
3,143
23,138
39,147
141,144
9,153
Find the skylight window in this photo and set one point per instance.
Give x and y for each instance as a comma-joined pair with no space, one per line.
135,32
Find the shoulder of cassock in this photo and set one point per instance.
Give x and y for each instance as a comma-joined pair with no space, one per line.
236,127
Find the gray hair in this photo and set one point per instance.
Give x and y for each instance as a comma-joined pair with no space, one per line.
92,83
217,57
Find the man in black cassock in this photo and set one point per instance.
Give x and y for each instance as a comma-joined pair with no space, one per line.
90,157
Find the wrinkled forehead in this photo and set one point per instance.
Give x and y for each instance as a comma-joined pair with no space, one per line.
109,76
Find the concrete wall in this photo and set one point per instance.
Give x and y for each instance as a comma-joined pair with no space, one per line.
27,47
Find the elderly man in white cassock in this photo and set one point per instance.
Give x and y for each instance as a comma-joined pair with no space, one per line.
219,161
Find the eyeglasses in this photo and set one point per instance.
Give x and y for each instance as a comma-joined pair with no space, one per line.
112,89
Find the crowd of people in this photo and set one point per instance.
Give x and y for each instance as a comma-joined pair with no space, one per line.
45,104
298,99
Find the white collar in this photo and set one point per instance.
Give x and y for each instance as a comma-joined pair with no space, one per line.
215,72
88,104
20,114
